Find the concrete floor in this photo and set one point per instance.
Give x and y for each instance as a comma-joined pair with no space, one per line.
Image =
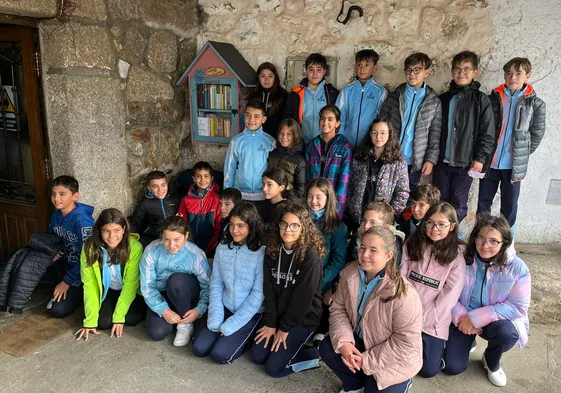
134,363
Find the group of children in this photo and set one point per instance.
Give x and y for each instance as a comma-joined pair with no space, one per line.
322,242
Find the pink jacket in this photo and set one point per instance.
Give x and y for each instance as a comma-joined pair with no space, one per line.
439,288
391,331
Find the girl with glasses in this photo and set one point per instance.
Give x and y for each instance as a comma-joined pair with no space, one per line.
433,262
494,301
292,278
236,289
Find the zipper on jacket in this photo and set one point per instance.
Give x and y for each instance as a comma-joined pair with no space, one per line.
163,208
507,124
408,118
359,113
430,258
483,285
234,282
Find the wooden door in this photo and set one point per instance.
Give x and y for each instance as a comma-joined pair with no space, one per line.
24,194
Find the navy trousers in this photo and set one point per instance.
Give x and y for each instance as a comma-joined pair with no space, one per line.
433,352
287,361
414,178
182,294
356,380
65,307
454,184
501,336
226,349
135,314
510,192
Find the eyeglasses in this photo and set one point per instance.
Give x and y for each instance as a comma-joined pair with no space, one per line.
376,133
439,225
416,70
465,70
480,241
372,223
292,227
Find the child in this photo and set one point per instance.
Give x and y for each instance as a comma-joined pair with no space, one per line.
494,301
150,212
468,133
270,92
422,198
292,288
374,341
379,172
246,159
416,116
174,276
236,290
288,156
520,127
200,208
322,203
311,94
73,222
111,277
361,100
229,198
275,184
433,262
329,155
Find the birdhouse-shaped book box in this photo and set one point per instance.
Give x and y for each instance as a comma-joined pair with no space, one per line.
219,80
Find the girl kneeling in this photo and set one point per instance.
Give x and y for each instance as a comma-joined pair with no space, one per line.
174,276
236,289
111,277
374,341
292,288
494,301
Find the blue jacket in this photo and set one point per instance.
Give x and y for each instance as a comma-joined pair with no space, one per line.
246,160
157,264
237,284
335,252
74,229
360,105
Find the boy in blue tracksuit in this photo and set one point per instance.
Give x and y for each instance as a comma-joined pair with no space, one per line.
361,100
73,222
247,155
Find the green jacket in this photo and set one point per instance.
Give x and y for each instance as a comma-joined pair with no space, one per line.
94,292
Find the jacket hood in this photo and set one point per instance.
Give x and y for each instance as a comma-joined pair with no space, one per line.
290,150
454,88
213,187
428,90
81,210
304,83
528,90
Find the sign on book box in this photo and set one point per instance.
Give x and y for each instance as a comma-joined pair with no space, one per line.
219,81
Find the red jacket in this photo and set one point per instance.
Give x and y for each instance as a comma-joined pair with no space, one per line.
201,211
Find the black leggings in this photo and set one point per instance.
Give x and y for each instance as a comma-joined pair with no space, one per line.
135,315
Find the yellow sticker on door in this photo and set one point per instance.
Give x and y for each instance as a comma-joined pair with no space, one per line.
7,104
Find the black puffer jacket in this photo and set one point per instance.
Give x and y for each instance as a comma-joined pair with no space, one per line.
292,161
20,274
474,126
151,212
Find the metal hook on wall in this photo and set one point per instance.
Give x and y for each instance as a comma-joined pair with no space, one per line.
349,12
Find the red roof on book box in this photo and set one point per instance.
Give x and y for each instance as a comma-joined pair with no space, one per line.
220,54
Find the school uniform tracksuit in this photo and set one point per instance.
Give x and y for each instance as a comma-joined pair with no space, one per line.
236,298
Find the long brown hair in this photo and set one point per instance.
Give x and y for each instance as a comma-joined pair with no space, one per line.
391,269
276,90
92,247
310,238
392,150
294,128
331,219
485,220
445,250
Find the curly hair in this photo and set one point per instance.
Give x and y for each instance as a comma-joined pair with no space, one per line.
310,238
392,150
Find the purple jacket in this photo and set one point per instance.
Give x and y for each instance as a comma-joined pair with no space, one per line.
508,294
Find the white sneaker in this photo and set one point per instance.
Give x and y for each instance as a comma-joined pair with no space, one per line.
50,304
184,335
473,347
361,390
497,378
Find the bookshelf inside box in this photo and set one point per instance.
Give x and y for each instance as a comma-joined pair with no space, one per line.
219,81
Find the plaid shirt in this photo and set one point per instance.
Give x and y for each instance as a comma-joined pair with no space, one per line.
337,166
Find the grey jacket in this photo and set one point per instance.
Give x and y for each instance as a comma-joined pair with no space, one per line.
428,125
528,131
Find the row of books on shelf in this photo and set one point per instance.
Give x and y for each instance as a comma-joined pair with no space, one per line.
214,96
215,126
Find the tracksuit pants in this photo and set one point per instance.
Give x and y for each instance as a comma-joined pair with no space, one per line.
501,336
287,361
226,349
433,353
356,380
135,314
182,294
510,192
454,184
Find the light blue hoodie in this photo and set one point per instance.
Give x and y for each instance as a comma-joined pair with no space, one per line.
237,284
246,160
157,264
359,105
314,101
413,100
